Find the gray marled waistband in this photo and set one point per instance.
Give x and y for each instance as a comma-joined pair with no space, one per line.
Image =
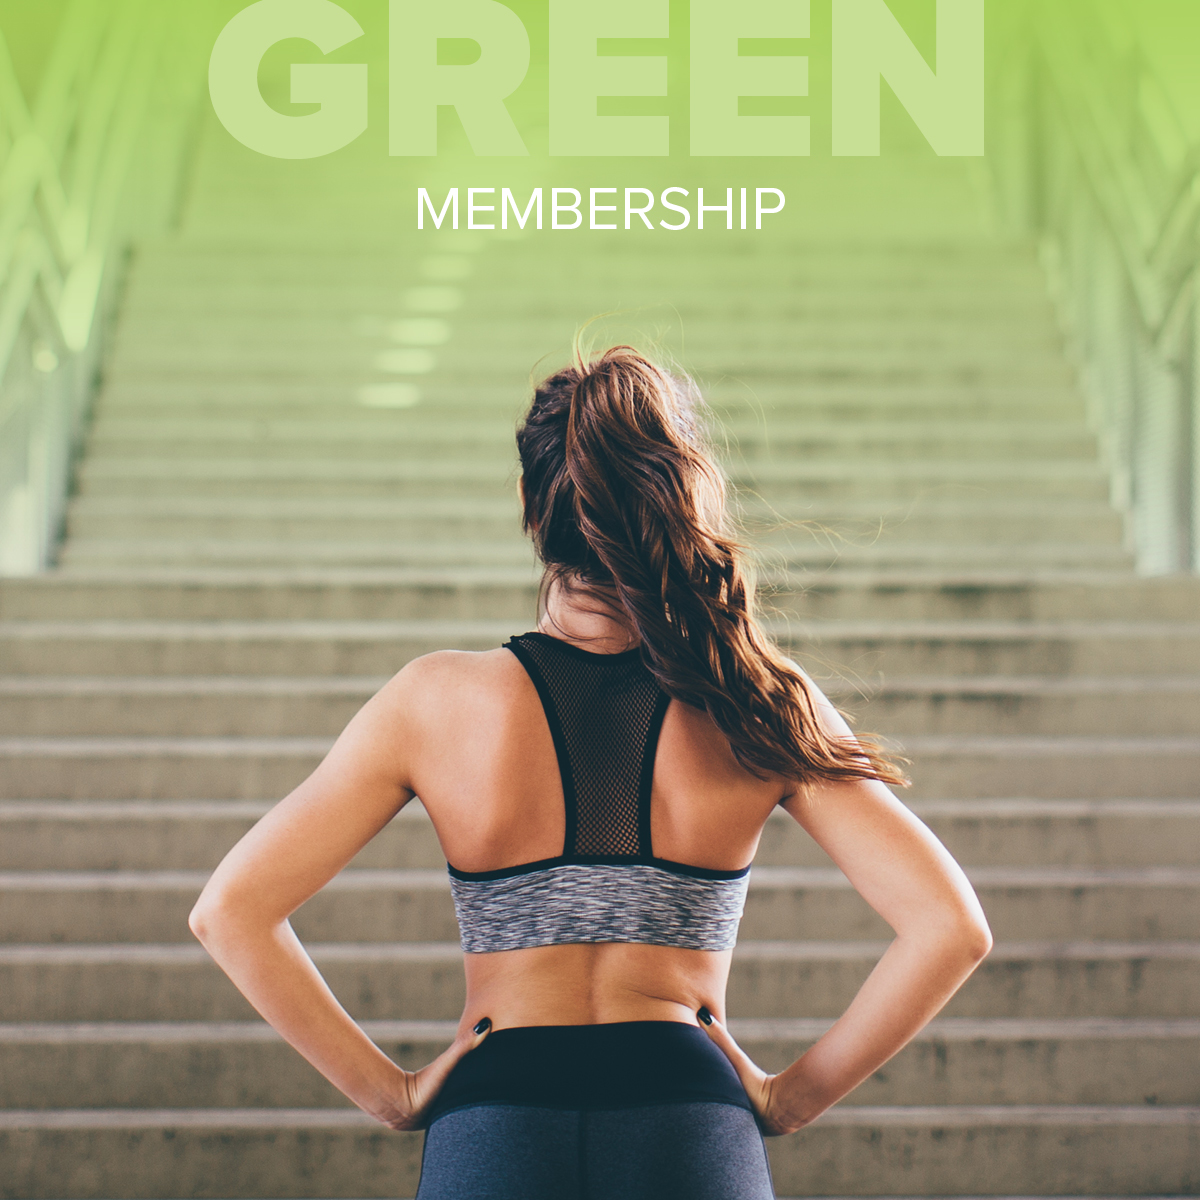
576,902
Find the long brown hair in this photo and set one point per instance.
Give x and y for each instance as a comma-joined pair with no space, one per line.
622,494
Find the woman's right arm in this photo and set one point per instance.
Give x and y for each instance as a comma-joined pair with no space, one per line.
909,878
242,915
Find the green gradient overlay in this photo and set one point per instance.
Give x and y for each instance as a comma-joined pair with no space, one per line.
776,97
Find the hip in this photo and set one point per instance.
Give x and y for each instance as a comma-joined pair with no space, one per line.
624,1064
634,1110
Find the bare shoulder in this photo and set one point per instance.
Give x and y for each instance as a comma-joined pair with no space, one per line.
454,667
451,679
825,707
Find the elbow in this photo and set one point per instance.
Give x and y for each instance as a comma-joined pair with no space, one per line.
225,916
960,940
209,916
975,938
202,920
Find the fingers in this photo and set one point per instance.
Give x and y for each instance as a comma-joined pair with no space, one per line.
748,1071
752,1077
428,1081
434,1075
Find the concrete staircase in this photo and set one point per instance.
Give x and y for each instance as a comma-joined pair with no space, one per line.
301,475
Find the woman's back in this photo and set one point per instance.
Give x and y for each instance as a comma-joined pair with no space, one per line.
492,779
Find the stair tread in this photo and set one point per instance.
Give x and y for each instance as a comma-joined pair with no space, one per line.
449,628
942,1116
761,877
791,1028
1031,807
451,952
367,685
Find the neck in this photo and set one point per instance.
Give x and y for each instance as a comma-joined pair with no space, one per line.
589,617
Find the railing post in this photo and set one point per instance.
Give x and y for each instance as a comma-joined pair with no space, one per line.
1191,449
1157,460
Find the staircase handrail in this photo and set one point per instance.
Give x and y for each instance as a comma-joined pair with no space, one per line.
1154,243
66,216
1111,177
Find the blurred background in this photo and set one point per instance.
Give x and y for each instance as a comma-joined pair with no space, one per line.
256,453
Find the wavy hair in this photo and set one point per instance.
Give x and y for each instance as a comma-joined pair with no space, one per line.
621,493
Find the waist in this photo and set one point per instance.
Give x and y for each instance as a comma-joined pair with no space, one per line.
628,1064
594,983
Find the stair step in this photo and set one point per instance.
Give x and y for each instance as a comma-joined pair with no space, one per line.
805,293
229,706
992,594
1014,705
881,298
107,535
191,593
409,435
304,648
245,1064
476,339
212,706
786,259
334,400
254,768
948,766
508,551
135,835
131,1153
379,905
802,271
299,647
493,349
442,512
148,475
802,550
999,1149
454,592
409,980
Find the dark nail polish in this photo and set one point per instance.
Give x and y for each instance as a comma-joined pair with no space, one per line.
483,1025
705,1016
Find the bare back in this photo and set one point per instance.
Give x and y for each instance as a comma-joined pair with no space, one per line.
483,762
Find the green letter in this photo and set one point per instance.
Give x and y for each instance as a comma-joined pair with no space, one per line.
339,88
947,106
720,77
578,76
477,91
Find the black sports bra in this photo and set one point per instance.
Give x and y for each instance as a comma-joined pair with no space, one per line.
605,713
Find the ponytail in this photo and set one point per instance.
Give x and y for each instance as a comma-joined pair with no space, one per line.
621,493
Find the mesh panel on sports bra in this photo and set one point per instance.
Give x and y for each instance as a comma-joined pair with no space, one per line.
605,711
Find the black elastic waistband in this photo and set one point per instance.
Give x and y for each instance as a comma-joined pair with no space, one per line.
624,1065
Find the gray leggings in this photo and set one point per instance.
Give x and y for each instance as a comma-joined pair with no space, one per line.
694,1151
638,1110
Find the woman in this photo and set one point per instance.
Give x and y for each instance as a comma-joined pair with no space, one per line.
599,787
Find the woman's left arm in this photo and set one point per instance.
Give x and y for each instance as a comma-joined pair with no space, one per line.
909,878
242,915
